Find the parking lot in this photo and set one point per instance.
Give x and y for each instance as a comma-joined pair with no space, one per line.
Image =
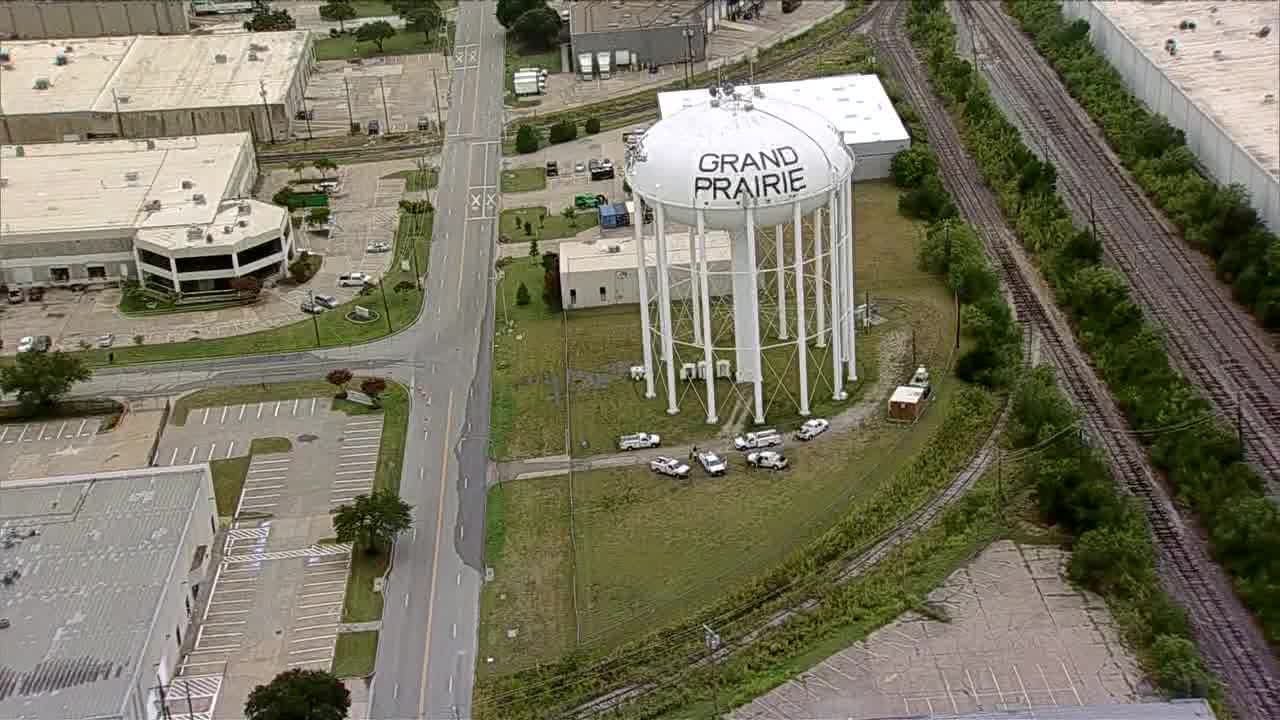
276,601
1018,636
396,91
365,210
72,446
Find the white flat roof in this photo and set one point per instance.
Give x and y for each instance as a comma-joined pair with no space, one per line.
62,187
224,229
1230,89
856,105
148,72
576,257
907,394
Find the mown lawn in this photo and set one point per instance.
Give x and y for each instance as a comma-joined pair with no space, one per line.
416,180
520,57
404,42
543,225
524,180
355,653
333,328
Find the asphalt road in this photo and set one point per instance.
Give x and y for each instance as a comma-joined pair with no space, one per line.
427,647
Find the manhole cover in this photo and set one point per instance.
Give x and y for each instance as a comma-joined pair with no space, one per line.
308,438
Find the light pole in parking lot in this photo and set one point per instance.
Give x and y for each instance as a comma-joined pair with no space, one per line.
688,61
315,321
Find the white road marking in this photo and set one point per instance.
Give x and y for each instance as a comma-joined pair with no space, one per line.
80,430
357,455
241,416
223,419
173,460
295,406
276,461
364,422
256,488
64,427
192,459
351,472
212,448
277,412
231,448
260,406
406,599
205,420
455,630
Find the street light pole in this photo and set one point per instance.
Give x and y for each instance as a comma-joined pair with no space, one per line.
688,62
435,83
266,109
315,321
386,114
382,285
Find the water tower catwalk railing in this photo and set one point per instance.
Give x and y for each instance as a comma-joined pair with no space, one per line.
788,311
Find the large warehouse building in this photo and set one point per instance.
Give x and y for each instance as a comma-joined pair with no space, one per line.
1220,85
856,105
172,213
640,33
33,19
102,573
152,86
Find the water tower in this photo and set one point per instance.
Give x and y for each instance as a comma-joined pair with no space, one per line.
751,166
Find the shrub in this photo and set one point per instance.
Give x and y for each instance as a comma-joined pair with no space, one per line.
526,140
592,125
563,132
522,295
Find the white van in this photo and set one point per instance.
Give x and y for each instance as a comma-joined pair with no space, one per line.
758,439
638,441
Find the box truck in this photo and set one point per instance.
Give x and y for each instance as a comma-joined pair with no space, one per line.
604,59
586,65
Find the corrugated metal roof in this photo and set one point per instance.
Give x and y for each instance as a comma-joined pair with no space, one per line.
90,579
1175,710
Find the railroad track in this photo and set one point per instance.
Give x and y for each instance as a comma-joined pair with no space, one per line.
1232,643
365,153
1212,340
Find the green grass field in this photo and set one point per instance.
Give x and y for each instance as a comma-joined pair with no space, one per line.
416,180
518,57
354,654
524,180
333,328
228,482
531,396
404,42
543,224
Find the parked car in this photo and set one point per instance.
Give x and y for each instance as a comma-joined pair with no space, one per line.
26,344
767,459
325,301
758,439
106,341
812,429
601,169
16,296
310,308
379,246
669,466
579,168
43,343
712,463
35,293
327,186
355,279
639,441
553,169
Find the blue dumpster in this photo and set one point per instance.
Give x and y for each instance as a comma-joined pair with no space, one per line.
614,216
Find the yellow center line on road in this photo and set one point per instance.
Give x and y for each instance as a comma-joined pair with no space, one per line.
435,557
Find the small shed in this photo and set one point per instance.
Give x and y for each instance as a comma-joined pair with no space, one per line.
614,216
906,404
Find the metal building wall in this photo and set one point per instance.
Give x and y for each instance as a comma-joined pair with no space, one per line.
35,19
1218,153
659,45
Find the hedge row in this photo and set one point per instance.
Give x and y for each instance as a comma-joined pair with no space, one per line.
1203,461
1217,220
1112,553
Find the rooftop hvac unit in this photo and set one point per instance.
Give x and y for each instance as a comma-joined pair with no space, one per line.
194,233
1269,99
243,223
59,59
208,239
20,151
226,229
244,208
253,56
256,47
1264,31
152,205
220,58
69,48
42,84
5,57
187,184
4,182
722,369
702,369
123,99
637,372
615,248
131,176
198,198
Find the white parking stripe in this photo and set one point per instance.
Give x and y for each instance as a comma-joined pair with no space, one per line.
304,651
277,412
191,460
23,436
374,431
295,406
353,482
42,429
223,419
322,593
80,431
231,448
357,463
269,461
359,447
60,429
6,432
262,487
352,472
212,449
260,406
173,460
364,422
321,615
266,478
242,407
313,405
356,455
206,416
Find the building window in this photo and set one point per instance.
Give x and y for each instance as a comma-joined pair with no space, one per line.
60,274
604,294
97,272
204,263
573,297
155,260
254,254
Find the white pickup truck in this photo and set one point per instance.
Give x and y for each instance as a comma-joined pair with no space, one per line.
712,463
767,459
639,441
812,429
669,466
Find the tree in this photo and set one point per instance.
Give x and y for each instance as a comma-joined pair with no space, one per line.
246,285
373,387
318,216
528,228
373,521
339,379
422,16
42,378
522,295
324,165
268,20
526,140
563,131
911,166
592,125
297,167
551,288
510,10
571,214
299,695
376,32
533,247
537,29
550,262
301,269
338,10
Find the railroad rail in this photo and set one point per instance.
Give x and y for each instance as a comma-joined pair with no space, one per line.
1212,340
1233,645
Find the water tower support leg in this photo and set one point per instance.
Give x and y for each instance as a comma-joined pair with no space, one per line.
704,299
802,327
757,378
664,311
642,276
780,261
820,300
837,359
695,304
851,356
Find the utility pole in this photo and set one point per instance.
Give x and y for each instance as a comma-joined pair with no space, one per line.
386,114
957,319
688,62
306,115
1093,221
266,110
435,83
382,285
413,250
351,119
315,320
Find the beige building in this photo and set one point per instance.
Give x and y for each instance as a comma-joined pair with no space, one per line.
151,86
173,213
603,272
103,572
34,19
